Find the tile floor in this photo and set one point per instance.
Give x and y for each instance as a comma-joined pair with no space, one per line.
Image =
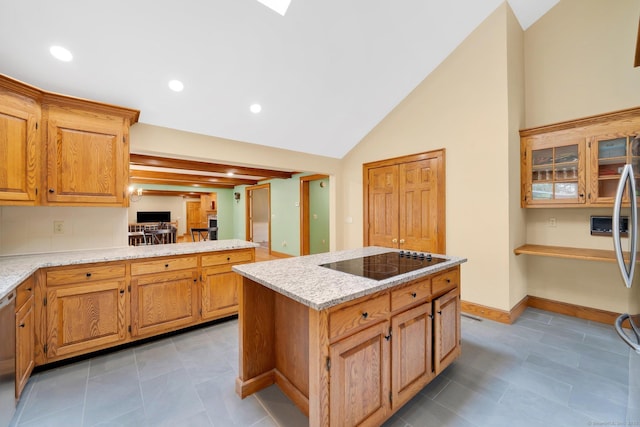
545,370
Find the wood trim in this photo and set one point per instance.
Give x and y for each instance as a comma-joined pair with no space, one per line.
169,178
567,252
279,254
579,311
636,62
304,211
253,385
583,122
291,391
509,317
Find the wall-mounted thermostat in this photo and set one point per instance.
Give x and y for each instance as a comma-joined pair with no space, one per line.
602,226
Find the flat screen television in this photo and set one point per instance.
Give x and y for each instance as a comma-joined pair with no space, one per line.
151,216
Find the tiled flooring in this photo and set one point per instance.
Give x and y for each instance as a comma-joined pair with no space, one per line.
545,370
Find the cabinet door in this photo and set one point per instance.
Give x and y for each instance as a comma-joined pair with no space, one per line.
554,172
25,340
359,378
446,329
85,158
609,154
412,364
420,206
19,142
84,317
163,302
220,292
383,206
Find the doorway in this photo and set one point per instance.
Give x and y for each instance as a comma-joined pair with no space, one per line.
258,215
314,214
193,216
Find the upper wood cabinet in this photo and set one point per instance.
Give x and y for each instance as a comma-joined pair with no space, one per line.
578,163
404,202
85,156
19,144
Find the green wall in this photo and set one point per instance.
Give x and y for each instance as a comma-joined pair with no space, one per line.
319,216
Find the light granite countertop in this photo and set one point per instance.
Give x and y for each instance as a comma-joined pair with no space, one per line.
15,269
304,280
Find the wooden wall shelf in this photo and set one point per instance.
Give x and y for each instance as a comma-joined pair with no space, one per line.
567,252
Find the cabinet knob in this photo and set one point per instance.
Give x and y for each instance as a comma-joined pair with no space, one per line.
51,190
22,325
228,258
365,315
413,294
88,274
166,266
448,280
387,337
430,316
29,289
121,291
440,312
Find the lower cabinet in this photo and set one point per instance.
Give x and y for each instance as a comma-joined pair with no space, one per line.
412,353
25,334
359,377
84,317
220,285
446,329
164,295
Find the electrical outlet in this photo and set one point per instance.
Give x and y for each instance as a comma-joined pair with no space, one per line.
552,222
58,227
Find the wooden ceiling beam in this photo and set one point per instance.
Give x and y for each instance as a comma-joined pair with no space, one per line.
170,178
165,162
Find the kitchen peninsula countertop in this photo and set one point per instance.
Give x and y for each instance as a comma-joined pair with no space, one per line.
305,281
15,269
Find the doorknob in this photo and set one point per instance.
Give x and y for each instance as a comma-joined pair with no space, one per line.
394,241
402,241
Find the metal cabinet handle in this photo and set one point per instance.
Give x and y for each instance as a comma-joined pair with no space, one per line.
51,190
413,294
365,315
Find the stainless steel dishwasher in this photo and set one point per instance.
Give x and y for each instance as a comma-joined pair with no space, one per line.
7,358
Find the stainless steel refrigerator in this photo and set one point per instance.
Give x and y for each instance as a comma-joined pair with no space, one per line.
627,263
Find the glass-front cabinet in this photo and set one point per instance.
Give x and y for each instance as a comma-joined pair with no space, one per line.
609,154
553,172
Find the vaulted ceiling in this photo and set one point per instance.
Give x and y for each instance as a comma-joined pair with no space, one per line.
325,73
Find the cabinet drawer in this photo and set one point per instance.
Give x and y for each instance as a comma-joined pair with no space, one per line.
445,281
24,292
409,294
163,265
84,274
353,317
231,257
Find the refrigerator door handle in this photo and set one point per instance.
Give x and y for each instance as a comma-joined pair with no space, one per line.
623,335
627,271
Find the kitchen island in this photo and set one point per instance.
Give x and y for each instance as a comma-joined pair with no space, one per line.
347,350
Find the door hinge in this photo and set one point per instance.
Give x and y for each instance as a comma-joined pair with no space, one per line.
36,191
36,125
46,348
124,139
44,302
589,144
200,312
129,328
328,364
129,288
390,397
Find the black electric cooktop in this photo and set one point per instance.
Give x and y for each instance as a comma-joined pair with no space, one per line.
385,265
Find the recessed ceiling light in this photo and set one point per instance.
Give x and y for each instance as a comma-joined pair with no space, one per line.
176,85
255,108
279,6
61,53
229,173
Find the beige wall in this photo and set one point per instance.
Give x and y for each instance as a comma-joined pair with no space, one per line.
579,62
463,107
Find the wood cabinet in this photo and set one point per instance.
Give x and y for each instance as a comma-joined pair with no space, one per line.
404,204
365,358
578,163
359,377
19,144
164,295
25,334
84,160
220,285
85,309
